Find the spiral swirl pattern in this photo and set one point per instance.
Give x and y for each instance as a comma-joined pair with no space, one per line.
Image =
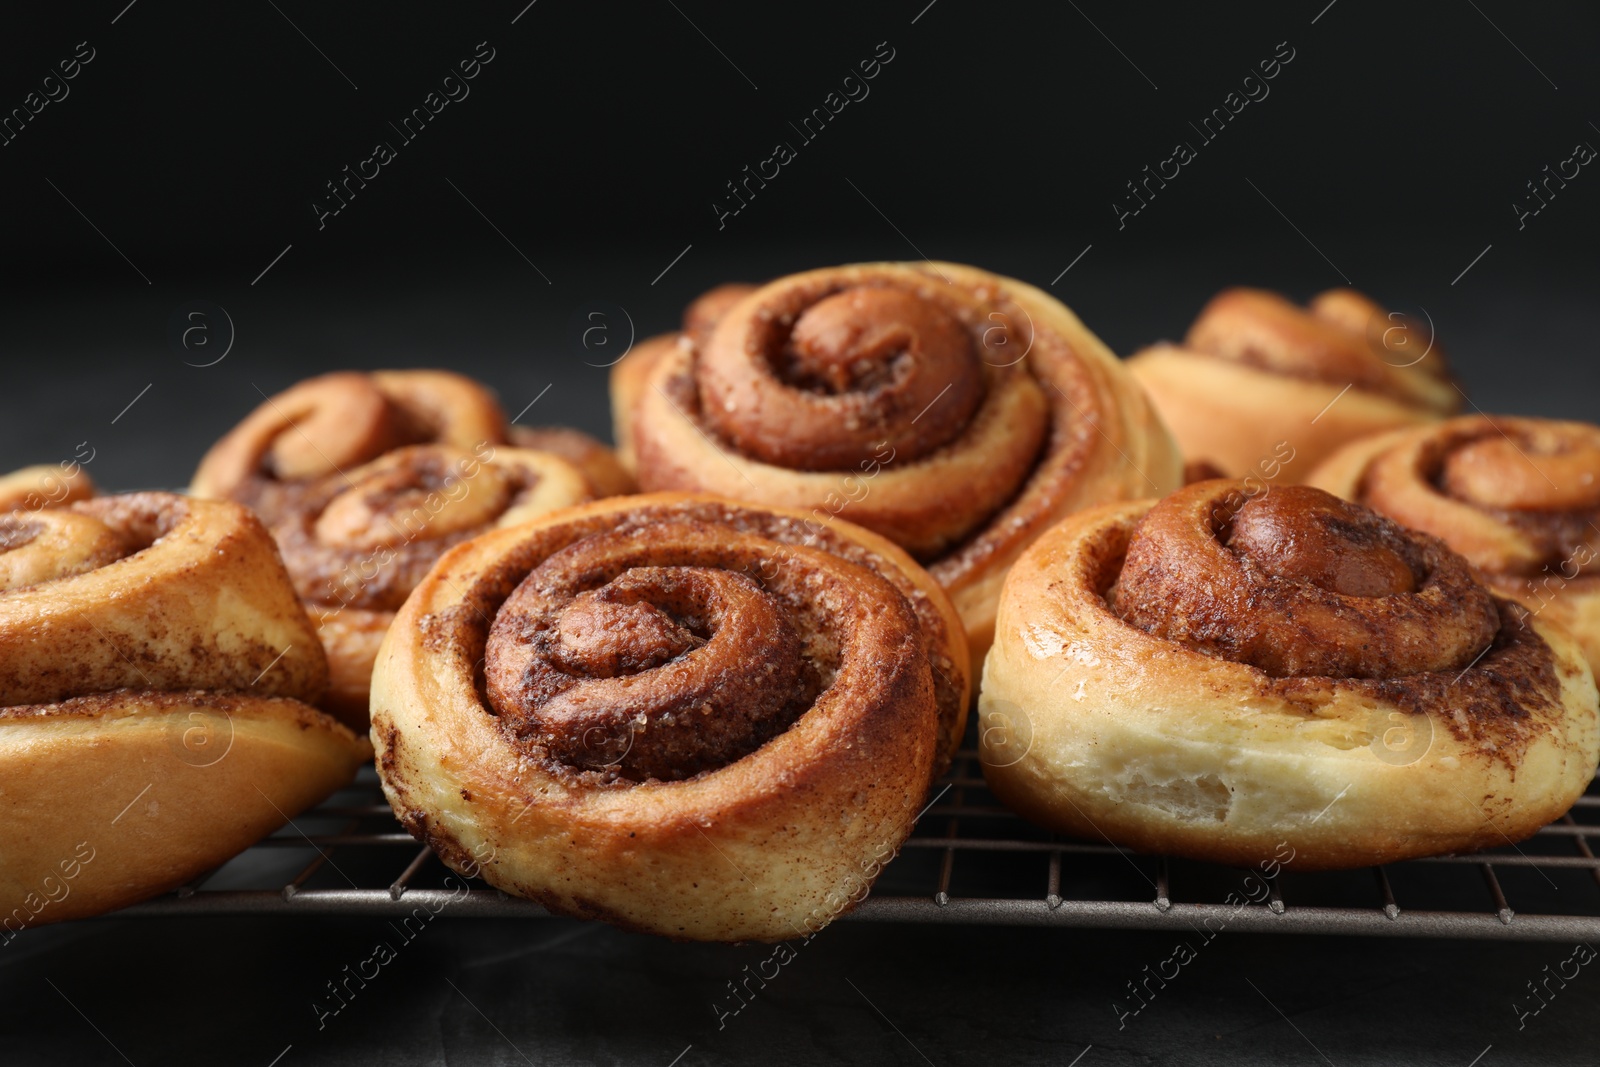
366,479
658,678
1298,582
1225,672
1519,498
953,411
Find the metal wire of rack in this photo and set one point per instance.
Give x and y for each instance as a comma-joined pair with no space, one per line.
970,860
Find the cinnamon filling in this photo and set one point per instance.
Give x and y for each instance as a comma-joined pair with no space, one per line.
827,383
1300,583
1540,479
659,661
365,538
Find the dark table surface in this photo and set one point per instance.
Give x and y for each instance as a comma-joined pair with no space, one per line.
549,991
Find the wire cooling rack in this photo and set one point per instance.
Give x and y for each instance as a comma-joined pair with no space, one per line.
970,860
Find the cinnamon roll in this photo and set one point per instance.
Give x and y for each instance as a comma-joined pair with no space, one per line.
366,479
155,674
36,488
956,412
1259,379
1518,497
1220,675
673,713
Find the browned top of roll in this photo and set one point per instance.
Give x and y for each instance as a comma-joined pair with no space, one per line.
364,538
1343,338
701,316
598,463
1516,496
1299,582
1311,589
37,488
330,423
150,591
945,373
668,659
50,544
820,376
673,638
365,479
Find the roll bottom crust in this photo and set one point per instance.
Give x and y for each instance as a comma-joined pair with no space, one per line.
114,798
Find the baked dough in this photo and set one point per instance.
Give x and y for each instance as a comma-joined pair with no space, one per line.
155,669
366,479
1518,497
35,488
1218,676
673,713
954,411
1263,388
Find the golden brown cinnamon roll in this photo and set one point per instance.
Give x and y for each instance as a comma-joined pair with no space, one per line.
674,713
366,479
155,669
1259,378
956,412
1238,679
1519,498
36,488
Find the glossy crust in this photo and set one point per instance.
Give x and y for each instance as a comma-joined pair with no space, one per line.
1095,727
1518,497
366,479
154,669
954,411
1259,378
733,843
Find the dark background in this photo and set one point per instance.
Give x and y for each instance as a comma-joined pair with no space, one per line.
572,179
594,144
